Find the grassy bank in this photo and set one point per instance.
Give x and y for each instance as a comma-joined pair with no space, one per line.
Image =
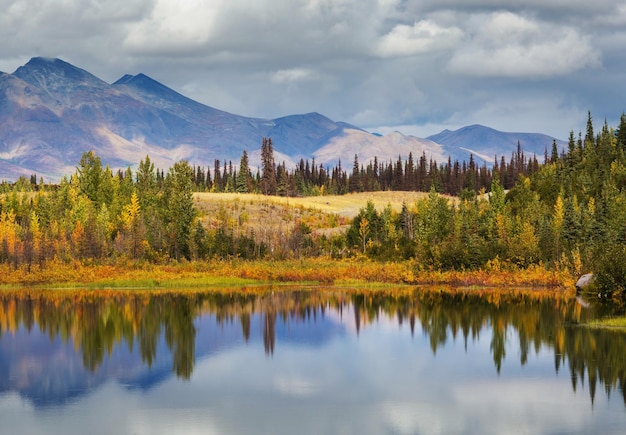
608,323
244,273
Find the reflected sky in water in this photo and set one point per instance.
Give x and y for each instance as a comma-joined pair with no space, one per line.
311,366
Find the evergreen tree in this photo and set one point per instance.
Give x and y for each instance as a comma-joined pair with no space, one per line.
355,182
89,172
268,177
589,136
621,132
243,176
398,176
282,185
217,177
178,208
554,156
146,184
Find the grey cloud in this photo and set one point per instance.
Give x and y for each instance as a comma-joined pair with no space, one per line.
563,7
510,45
372,62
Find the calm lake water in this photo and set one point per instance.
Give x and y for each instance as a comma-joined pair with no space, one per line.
318,361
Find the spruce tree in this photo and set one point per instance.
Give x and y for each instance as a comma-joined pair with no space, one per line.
178,208
621,132
355,184
90,175
243,177
268,177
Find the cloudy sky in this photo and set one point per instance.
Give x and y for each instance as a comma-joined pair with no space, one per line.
414,66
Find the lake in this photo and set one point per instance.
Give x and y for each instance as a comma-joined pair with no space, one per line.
307,361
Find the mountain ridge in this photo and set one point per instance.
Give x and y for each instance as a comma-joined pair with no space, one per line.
466,138
51,112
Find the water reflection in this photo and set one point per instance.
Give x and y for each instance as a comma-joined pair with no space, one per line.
46,335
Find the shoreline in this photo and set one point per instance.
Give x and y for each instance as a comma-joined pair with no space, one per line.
239,273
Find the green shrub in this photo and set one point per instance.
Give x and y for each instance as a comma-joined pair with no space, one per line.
610,275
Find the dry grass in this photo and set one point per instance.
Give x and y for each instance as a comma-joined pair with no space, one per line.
322,270
272,218
342,205
269,218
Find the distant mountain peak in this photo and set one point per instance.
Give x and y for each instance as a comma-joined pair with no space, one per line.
138,78
38,60
126,78
56,76
473,128
49,65
150,87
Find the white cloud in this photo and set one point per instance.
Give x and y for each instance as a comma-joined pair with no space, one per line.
422,37
296,386
504,44
529,405
292,75
174,26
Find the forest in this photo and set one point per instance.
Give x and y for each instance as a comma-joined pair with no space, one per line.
308,178
566,213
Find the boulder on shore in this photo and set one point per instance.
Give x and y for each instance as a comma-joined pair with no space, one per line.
584,281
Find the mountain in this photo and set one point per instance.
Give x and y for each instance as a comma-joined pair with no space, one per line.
51,112
342,145
485,143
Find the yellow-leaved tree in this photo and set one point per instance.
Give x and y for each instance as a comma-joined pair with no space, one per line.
9,232
133,226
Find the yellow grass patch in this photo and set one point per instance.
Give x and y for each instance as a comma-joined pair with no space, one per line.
342,205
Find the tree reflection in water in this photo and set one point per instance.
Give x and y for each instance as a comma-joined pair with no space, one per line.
98,321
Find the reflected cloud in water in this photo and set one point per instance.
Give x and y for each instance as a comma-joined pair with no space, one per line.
307,362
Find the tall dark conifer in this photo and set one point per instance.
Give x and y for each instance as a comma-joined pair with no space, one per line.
268,177
621,132
243,176
355,184
217,177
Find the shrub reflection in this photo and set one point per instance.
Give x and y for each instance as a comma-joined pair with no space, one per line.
98,321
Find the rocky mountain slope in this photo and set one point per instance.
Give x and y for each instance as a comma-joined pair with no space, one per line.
51,112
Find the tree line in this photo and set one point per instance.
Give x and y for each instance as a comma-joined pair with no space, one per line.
410,174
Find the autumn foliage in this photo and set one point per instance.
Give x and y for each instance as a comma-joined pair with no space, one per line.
559,220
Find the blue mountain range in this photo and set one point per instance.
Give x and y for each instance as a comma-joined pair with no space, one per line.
51,112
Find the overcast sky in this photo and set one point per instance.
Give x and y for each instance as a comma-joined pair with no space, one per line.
413,66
